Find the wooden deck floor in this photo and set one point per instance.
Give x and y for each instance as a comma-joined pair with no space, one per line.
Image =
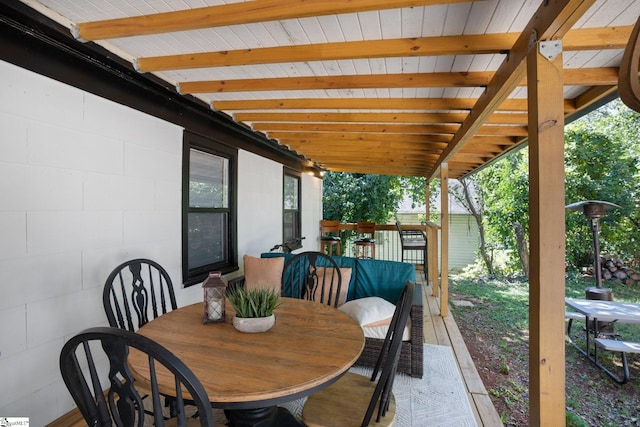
444,331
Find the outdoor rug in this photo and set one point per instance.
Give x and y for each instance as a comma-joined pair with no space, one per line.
438,399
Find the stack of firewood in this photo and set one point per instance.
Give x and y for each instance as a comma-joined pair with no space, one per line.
613,269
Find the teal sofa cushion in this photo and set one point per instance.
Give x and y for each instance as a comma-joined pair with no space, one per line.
384,279
369,277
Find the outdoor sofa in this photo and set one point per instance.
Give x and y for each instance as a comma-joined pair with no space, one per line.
383,279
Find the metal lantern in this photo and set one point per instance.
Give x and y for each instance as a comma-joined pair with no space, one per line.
214,288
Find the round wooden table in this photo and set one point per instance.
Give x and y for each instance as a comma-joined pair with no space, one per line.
310,347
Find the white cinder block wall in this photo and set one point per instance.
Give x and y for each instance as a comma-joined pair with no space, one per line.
85,184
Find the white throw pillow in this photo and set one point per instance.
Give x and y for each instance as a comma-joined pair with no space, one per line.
368,310
374,315
380,332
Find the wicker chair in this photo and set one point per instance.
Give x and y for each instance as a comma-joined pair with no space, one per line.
411,352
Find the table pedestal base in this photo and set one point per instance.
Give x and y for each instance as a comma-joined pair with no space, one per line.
262,417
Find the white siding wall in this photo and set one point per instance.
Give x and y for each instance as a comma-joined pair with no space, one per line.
464,239
85,184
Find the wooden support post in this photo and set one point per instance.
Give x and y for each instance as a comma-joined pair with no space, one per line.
432,256
427,203
444,240
547,233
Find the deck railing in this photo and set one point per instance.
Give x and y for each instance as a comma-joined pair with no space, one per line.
388,245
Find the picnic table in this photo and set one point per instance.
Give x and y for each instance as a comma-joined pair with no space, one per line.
596,311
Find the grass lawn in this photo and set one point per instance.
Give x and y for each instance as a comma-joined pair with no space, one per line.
495,329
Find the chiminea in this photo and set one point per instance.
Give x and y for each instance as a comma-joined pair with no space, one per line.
594,210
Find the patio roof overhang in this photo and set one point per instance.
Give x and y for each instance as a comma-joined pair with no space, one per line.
370,86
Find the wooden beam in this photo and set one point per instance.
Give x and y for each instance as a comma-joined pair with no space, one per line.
432,257
235,14
551,21
427,104
352,103
438,140
422,118
574,77
378,158
363,81
421,46
605,76
444,239
506,130
474,44
353,127
379,169
547,247
389,151
590,96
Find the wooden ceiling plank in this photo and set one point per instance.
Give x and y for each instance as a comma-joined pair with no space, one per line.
551,21
234,14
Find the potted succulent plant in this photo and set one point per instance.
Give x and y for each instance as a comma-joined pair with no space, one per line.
254,308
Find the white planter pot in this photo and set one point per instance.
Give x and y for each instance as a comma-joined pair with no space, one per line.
254,324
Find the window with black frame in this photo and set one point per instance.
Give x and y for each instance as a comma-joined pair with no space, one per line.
209,208
291,212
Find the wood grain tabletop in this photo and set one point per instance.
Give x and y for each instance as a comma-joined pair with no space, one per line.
309,347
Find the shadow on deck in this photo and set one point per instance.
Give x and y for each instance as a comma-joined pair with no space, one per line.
444,331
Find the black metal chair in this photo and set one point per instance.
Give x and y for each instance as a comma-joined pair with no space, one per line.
313,276
87,378
413,241
347,402
136,292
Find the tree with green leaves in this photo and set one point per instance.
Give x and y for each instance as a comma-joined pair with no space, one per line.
469,195
352,197
505,189
602,163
